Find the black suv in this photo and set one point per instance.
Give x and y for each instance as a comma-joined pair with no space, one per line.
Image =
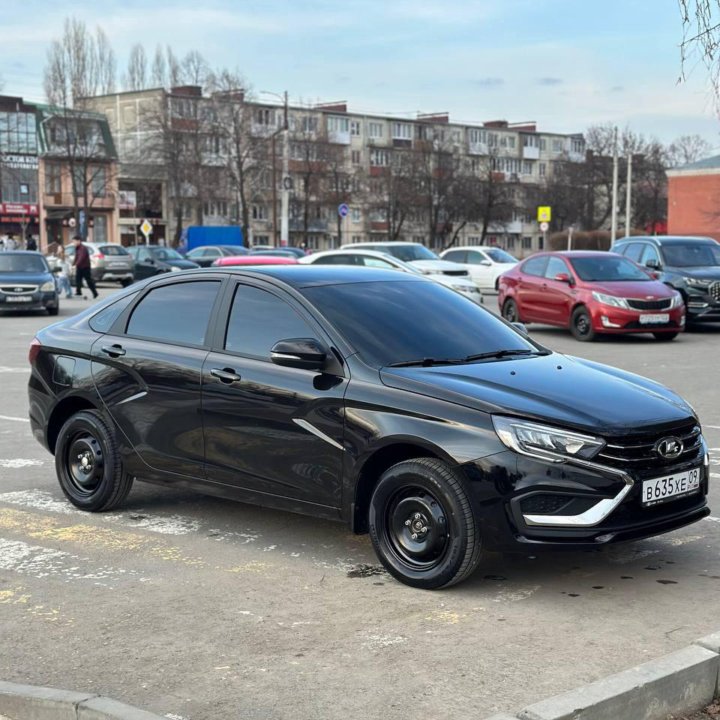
689,264
377,398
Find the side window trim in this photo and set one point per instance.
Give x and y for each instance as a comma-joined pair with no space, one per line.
543,259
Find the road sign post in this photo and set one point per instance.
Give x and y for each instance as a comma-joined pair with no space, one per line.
146,229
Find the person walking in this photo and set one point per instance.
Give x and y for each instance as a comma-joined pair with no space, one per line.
63,277
30,243
82,268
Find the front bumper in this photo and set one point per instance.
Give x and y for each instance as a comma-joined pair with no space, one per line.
112,275
607,319
526,501
702,306
30,301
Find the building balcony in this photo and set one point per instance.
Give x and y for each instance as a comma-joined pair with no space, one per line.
477,148
314,226
531,153
338,137
67,200
511,227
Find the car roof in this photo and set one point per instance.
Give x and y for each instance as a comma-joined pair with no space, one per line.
349,246
21,252
248,260
303,276
350,250
574,253
660,239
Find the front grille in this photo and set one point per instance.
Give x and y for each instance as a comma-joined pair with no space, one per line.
18,289
714,291
638,453
650,304
456,273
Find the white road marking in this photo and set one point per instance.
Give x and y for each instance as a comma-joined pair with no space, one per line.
42,562
19,462
378,642
713,519
39,500
4,369
506,596
14,419
714,427
170,525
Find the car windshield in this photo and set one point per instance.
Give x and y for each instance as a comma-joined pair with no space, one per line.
607,268
687,254
165,254
408,253
10,263
500,256
391,322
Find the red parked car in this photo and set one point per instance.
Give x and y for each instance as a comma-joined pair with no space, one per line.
246,260
590,293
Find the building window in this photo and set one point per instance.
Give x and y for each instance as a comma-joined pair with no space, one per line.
379,158
99,182
100,229
530,141
375,130
492,139
338,124
543,144
542,169
577,145
265,116
79,181
476,135
356,215
402,131
355,128
259,212
527,243
557,145
527,168
510,243
356,238
355,154
309,124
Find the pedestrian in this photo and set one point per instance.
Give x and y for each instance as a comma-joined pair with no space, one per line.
30,243
10,242
63,277
82,267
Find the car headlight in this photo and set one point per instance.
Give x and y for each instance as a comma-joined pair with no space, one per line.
677,301
696,283
610,300
545,442
48,286
174,268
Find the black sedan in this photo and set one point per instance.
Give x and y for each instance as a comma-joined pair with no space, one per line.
27,283
380,399
155,259
206,255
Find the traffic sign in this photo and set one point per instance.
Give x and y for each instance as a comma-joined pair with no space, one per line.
544,226
146,228
343,210
544,214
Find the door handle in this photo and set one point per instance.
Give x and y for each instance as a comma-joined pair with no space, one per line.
226,375
113,350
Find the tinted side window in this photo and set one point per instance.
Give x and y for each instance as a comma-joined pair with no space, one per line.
633,251
103,321
458,256
337,260
555,265
113,250
650,254
534,266
376,262
259,319
475,257
177,313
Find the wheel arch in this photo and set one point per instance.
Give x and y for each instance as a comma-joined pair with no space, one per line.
65,409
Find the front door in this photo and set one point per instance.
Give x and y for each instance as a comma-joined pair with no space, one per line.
557,295
271,429
530,288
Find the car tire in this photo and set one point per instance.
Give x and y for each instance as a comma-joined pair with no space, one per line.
126,282
665,337
88,463
428,499
53,310
510,311
581,325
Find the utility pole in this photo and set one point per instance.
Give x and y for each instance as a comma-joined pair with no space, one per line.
613,223
285,197
628,197
274,190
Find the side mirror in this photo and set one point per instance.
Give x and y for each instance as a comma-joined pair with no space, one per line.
302,353
520,327
564,277
652,264
486,263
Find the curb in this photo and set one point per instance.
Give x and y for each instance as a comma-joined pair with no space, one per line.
30,702
682,682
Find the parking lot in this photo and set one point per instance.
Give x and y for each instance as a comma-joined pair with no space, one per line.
203,610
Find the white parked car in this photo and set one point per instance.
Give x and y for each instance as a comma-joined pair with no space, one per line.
362,257
415,254
485,264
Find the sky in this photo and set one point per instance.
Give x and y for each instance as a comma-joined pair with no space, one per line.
566,64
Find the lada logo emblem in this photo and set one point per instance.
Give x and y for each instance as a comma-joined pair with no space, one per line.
669,448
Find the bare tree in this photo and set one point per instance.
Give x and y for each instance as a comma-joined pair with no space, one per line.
688,149
106,66
136,78
701,37
158,74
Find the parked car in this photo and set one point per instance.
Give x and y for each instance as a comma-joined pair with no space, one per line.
416,254
109,262
253,260
590,293
373,258
691,265
372,397
485,264
295,252
155,259
27,283
206,255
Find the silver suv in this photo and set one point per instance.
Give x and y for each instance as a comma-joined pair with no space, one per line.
108,262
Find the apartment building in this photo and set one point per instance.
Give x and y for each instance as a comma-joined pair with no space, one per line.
320,157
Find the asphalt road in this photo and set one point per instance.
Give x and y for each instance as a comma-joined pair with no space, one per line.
207,610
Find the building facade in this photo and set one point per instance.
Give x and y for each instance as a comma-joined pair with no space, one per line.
694,199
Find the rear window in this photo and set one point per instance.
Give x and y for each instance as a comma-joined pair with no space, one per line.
535,266
113,250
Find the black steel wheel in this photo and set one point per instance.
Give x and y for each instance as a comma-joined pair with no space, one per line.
581,325
88,464
510,311
422,524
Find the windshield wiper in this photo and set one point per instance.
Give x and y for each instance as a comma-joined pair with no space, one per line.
496,354
427,362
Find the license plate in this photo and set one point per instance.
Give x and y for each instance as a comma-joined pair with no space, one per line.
671,487
18,298
117,265
655,318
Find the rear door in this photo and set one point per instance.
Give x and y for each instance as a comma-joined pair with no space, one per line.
271,429
148,369
529,292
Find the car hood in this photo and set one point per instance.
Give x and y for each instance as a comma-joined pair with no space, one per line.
556,389
24,278
439,266
645,290
701,273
